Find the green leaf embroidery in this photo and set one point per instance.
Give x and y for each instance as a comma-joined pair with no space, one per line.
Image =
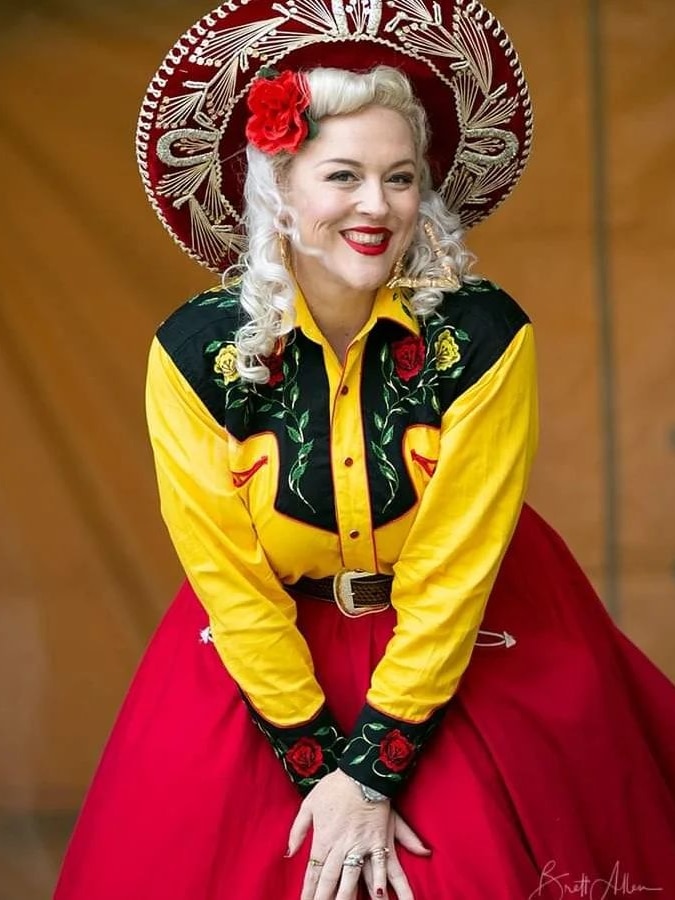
219,301
312,127
294,433
457,372
390,473
304,419
378,451
387,437
213,346
461,335
379,422
298,469
268,72
358,759
279,415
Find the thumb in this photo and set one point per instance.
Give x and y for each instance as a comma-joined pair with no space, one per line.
299,829
408,839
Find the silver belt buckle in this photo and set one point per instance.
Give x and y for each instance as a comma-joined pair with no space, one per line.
343,594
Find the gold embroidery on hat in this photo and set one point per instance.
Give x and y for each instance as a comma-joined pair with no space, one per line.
455,48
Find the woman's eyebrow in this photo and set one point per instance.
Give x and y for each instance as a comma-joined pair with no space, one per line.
355,163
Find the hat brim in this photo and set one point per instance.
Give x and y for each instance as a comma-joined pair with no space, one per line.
462,65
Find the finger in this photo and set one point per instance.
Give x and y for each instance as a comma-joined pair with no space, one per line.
367,875
299,829
331,872
379,862
397,878
312,877
374,893
407,837
349,882
329,876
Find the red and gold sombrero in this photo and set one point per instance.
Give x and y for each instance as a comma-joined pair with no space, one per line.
463,67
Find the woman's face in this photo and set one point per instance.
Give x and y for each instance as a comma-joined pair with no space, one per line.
355,189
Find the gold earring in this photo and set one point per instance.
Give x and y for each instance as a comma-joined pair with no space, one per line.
285,252
397,274
448,281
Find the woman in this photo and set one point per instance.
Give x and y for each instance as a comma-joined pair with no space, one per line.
343,436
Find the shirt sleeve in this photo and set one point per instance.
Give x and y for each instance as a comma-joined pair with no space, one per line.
252,618
448,565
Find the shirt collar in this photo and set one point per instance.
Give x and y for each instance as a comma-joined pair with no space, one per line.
389,304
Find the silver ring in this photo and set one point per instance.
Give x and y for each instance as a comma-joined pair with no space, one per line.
315,863
354,861
379,853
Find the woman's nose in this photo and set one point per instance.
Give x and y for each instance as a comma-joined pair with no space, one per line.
372,198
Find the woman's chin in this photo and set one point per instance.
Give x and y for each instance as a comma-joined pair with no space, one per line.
371,280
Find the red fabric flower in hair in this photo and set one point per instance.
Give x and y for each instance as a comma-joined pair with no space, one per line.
305,757
408,356
278,103
396,751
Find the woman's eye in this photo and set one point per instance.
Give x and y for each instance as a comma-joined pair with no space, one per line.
341,176
402,178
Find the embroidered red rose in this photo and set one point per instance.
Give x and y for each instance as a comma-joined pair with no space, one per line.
275,364
396,751
305,757
408,355
277,105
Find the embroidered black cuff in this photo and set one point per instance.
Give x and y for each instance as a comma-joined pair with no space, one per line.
308,751
382,751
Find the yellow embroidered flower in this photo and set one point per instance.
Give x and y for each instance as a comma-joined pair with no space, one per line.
225,363
447,351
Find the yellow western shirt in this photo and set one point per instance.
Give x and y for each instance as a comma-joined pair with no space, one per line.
409,458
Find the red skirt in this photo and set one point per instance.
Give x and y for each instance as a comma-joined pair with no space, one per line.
552,773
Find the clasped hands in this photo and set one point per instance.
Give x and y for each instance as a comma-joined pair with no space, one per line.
351,838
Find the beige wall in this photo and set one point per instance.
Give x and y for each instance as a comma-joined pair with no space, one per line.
87,273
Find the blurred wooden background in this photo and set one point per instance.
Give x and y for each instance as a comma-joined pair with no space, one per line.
87,273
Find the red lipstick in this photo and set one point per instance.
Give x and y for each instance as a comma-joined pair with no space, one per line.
377,244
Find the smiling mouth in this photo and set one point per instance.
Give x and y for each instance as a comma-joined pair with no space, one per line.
363,237
369,242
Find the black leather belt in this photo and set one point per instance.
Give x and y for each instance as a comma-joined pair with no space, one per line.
356,593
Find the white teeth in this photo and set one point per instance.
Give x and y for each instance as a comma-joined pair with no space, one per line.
359,237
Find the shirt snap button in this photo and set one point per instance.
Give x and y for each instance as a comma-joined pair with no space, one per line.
349,461
344,390
354,534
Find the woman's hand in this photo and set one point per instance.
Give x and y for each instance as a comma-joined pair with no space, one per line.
347,828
